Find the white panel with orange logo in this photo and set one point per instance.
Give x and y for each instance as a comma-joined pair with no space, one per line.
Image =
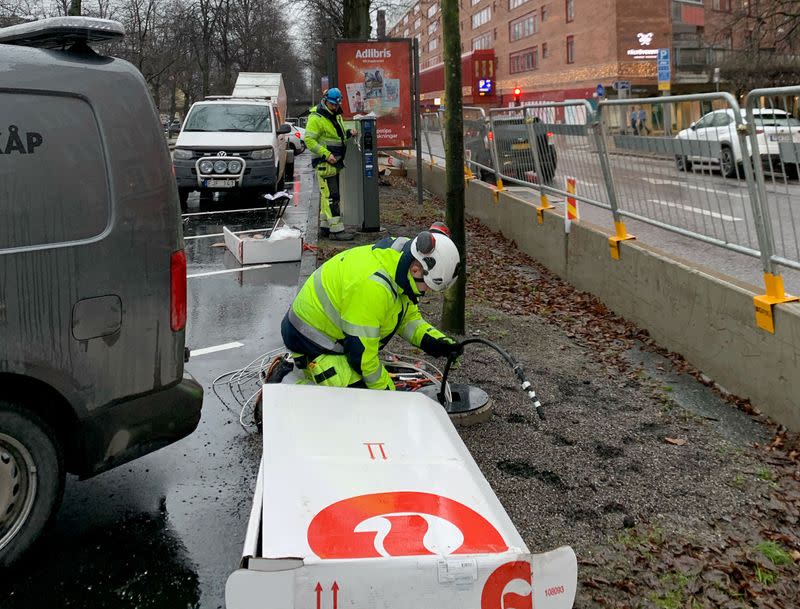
370,499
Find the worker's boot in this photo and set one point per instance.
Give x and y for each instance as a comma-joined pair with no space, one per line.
342,236
324,232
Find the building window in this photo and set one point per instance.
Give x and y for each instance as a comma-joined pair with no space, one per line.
433,44
432,61
405,33
481,17
405,19
523,61
416,8
432,27
570,49
545,50
474,2
570,10
432,10
484,41
418,23
512,4
524,26
544,13
721,5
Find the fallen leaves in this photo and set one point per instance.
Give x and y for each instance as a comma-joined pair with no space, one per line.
675,441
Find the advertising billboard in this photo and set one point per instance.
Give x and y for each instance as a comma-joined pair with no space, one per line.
375,76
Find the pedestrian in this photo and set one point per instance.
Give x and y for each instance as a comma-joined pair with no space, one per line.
352,305
326,138
635,121
642,121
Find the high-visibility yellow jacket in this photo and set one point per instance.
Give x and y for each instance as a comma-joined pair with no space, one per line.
354,303
325,133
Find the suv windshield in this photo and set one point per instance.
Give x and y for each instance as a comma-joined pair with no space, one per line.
246,118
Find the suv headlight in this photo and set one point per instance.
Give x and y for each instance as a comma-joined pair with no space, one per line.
181,154
220,167
234,166
264,154
206,167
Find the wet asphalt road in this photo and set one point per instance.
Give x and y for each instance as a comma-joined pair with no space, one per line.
166,530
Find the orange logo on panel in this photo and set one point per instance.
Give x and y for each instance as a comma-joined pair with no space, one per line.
402,523
509,587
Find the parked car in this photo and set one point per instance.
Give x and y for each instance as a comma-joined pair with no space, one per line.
173,128
237,142
297,139
513,149
93,288
772,126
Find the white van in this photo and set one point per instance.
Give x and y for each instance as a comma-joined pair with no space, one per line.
233,143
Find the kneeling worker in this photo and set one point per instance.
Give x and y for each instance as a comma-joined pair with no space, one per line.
354,303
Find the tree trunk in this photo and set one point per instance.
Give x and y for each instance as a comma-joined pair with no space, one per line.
74,8
453,310
356,19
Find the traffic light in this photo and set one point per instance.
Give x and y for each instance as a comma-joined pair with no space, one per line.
517,95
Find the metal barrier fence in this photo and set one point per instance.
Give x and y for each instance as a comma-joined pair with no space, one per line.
775,136
671,179
697,165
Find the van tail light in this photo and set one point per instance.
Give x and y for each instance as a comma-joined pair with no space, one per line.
491,136
177,292
759,131
550,135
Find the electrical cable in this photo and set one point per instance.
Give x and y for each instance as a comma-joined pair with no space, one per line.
519,372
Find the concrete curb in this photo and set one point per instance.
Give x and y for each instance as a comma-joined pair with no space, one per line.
705,317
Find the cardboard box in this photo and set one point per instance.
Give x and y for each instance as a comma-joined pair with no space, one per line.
283,245
369,499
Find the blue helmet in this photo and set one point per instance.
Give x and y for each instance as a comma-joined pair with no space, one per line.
333,95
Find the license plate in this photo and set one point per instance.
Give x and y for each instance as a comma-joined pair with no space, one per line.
780,137
220,183
522,146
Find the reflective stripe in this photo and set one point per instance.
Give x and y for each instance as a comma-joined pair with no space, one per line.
325,301
360,331
333,314
315,336
374,377
383,279
400,243
411,327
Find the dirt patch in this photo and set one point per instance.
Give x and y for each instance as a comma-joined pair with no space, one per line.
662,505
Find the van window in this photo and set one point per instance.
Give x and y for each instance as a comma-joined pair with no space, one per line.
247,118
53,181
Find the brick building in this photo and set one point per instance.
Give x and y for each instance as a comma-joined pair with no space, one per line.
562,49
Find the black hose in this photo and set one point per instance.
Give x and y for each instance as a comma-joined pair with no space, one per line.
519,371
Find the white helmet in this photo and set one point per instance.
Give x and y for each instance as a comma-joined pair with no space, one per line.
438,255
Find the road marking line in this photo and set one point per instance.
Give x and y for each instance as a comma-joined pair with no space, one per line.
697,210
240,232
678,183
244,268
222,211
215,349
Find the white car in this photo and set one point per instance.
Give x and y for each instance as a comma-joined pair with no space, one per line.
296,139
772,126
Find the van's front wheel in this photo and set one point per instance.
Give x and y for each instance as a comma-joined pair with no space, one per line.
31,479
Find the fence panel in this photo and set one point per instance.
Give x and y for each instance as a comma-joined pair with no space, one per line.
774,135
677,162
563,145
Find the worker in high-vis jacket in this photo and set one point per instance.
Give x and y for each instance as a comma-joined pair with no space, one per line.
353,304
326,138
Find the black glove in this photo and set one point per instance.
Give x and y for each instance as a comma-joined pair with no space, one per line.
440,347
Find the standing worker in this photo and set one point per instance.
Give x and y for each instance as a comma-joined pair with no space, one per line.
326,139
354,303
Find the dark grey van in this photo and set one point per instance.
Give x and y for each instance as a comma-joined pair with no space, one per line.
92,272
